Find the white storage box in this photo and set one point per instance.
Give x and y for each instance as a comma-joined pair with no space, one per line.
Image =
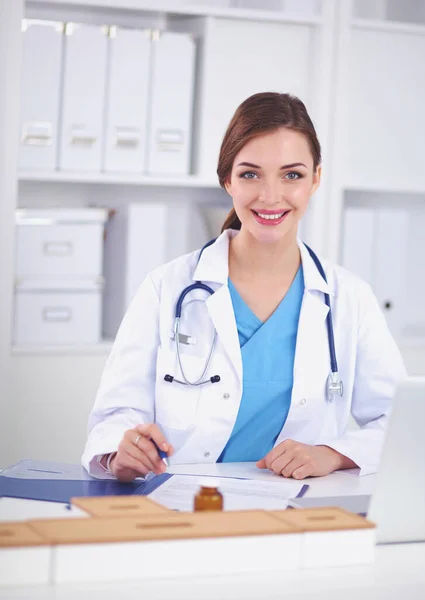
136,243
83,98
127,104
173,65
332,537
58,316
59,243
40,90
24,555
171,545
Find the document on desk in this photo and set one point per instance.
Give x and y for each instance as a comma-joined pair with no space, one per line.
178,492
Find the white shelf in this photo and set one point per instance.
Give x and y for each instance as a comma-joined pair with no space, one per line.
383,189
191,181
191,10
388,26
103,348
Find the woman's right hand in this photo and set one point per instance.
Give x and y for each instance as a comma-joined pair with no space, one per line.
137,455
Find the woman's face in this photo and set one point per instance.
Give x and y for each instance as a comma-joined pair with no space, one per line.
271,182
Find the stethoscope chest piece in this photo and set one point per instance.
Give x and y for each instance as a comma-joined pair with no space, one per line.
335,386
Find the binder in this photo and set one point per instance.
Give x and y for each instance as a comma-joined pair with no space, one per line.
135,244
127,100
40,91
59,482
62,490
173,62
83,97
358,242
392,242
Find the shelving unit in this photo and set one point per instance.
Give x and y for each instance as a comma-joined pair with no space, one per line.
125,179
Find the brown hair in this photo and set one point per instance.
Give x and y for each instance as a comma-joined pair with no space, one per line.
259,114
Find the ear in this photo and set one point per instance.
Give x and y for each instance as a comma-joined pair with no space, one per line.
317,176
228,186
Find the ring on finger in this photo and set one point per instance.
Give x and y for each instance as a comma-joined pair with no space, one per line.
136,441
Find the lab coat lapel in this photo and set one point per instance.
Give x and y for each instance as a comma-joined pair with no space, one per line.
220,309
312,350
312,360
312,341
213,267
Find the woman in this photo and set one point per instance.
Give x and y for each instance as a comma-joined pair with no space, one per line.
269,401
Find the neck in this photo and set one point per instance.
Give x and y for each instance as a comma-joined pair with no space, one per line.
249,257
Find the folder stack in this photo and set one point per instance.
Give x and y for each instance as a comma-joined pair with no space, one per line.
144,540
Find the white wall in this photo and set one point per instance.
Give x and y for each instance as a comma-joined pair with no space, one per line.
51,406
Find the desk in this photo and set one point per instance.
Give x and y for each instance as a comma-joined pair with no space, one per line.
398,572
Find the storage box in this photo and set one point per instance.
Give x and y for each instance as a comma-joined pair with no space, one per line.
83,98
60,242
169,546
120,506
173,65
127,104
332,537
46,316
135,244
40,92
24,555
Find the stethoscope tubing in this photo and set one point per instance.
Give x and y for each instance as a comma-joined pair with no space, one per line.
334,386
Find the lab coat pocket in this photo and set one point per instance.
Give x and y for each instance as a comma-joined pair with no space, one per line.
176,404
177,438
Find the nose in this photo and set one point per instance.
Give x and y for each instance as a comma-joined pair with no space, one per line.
269,193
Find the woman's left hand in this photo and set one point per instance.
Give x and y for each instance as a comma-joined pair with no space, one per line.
297,460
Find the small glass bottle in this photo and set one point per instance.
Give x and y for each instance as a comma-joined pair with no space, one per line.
208,497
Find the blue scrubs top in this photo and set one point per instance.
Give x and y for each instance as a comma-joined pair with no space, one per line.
268,352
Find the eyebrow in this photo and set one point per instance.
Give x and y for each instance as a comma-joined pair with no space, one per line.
297,164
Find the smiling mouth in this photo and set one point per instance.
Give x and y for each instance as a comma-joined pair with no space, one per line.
271,216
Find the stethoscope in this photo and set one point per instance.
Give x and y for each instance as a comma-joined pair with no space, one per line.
334,384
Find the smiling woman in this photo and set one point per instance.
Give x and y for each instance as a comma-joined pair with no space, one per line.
259,339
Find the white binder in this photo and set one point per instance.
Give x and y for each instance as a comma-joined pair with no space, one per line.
40,89
358,241
83,97
173,61
127,101
392,238
135,244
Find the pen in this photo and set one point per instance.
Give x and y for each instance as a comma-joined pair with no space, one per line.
162,454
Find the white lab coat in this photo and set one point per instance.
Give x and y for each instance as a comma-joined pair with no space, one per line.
198,421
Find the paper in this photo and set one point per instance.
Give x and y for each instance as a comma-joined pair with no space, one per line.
239,494
239,470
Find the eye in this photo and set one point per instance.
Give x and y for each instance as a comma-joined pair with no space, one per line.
293,175
248,175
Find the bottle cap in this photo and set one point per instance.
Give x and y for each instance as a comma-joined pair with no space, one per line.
209,482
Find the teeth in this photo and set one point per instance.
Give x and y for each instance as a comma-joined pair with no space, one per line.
271,217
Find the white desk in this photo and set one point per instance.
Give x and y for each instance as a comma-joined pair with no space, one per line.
398,572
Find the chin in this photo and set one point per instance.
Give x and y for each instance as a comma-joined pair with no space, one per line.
271,236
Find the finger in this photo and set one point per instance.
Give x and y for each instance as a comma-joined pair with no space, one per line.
137,452
261,464
278,465
141,459
153,432
125,467
278,451
303,472
150,451
293,465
